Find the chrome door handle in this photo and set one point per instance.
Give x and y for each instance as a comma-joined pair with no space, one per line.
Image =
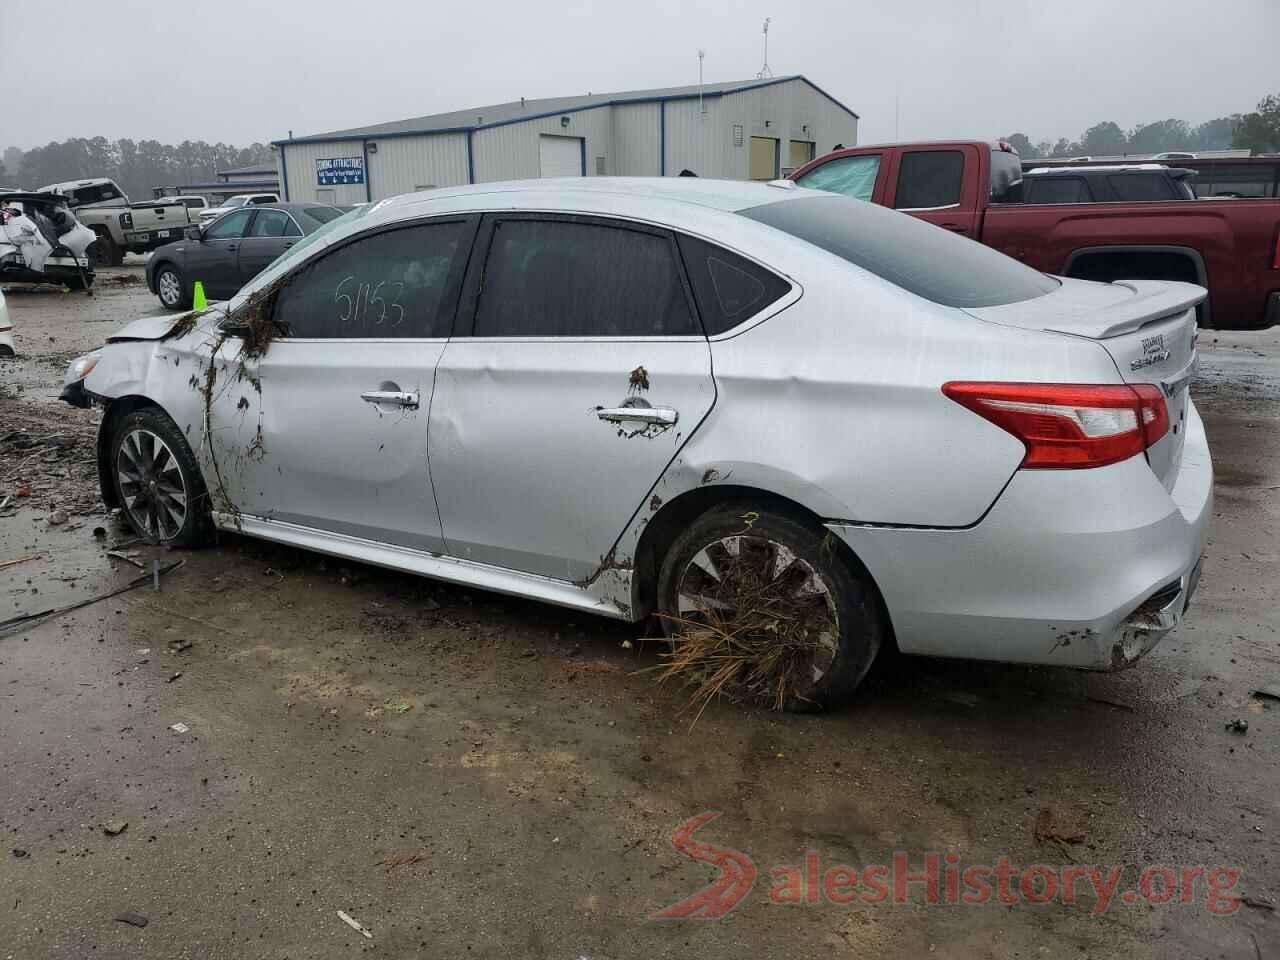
397,398
663,415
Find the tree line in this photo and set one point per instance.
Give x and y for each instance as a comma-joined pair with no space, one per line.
1258,131
137,166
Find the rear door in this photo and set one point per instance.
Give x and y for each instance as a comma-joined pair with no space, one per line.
270,233
941,186
579,372
214,260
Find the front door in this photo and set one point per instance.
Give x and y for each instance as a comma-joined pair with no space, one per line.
214,259
580,373
328,429
271,233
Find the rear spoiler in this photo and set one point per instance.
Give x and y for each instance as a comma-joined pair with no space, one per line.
1153,300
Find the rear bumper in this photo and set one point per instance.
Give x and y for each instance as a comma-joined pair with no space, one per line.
1080,568
150,239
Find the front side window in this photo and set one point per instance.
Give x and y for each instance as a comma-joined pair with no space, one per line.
849,176
929,178
230,227
1140,186
565,278
1058,190
388,285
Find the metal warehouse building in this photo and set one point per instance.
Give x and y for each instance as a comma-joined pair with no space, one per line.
753,129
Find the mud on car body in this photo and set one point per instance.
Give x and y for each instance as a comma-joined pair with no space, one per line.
638,396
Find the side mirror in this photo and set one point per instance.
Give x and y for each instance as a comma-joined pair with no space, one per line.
193,233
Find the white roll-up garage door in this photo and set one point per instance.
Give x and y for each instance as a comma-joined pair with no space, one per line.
560,156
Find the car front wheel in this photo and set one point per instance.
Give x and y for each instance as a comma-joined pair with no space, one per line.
775,592
170,289
157,480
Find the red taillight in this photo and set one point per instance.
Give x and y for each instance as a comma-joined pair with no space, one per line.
1070,425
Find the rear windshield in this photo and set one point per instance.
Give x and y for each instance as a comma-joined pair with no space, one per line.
918,257
322,214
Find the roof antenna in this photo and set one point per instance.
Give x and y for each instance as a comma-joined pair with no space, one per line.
765,73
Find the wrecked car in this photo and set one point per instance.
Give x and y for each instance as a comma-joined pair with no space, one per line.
681,396
41,241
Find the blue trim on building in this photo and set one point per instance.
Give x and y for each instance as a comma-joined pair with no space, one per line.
620,101
471,163
662,138
368,190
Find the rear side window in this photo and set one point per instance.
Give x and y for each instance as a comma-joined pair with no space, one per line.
1140,186
388,285
567,278
1057,190
273,223
920,258
729,288
929,178
848,176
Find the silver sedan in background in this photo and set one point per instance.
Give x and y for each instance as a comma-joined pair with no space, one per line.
636,396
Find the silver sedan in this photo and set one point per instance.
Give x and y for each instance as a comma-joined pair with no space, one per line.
655,396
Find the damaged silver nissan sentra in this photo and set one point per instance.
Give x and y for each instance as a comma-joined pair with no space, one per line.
619,395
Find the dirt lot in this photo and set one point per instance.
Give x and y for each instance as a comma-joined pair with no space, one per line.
470,775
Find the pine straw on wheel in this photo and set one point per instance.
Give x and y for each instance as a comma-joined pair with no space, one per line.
762,651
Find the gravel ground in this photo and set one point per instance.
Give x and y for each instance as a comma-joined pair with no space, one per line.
468,774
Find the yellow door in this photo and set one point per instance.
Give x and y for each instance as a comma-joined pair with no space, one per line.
801,153
764,158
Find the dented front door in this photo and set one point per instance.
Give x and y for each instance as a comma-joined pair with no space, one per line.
331,435
327,429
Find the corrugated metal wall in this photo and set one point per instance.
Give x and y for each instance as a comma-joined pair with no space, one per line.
300,161
406,164
793,110
625,140
637,143
699,141
511,152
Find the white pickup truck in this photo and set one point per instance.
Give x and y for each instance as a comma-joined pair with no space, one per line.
121,226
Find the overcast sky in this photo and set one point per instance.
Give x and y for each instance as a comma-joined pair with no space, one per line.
239,71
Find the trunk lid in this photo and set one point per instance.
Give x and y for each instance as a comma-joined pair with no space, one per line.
1148,327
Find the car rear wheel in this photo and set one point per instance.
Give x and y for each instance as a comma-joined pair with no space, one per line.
170,289
157,480
768,575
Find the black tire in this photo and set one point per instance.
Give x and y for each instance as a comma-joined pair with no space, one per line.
171,288
848,593
82,282
105,252
168,501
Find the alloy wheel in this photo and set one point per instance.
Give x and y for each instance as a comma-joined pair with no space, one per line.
151,485
169,288
754,584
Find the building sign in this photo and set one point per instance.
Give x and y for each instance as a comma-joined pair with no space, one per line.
337,170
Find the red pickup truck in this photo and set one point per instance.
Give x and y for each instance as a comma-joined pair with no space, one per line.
1230,246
